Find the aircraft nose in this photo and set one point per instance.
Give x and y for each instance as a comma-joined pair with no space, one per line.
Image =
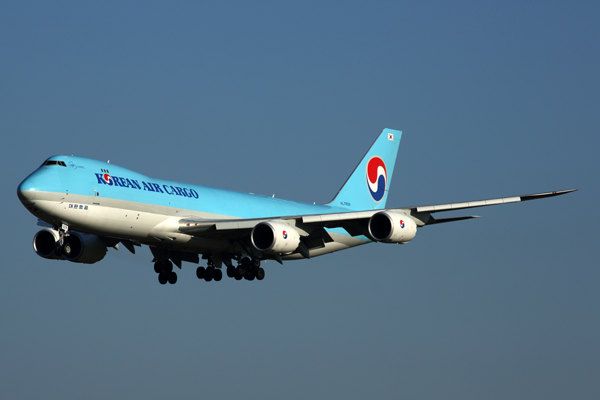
27,190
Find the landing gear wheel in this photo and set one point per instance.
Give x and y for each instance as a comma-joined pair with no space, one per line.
249,275
238,276
208,276
163,266
230,272
172,277
200,272
260,274
158,267
162,278
167,266
218,275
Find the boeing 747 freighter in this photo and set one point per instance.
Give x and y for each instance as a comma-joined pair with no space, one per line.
87,206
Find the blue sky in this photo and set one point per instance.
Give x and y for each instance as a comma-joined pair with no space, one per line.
494,99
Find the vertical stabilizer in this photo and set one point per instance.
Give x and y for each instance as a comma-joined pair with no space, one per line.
367,187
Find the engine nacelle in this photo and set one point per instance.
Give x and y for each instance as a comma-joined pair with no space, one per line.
275,237
77,247
392,227
44,244
83,248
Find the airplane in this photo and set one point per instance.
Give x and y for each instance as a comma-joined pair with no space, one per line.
87,206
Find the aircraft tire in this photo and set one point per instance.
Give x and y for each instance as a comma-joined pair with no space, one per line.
208,276
249,275
230,272
162,278
158,267
167,266
218,275
260,274
200,272
172,277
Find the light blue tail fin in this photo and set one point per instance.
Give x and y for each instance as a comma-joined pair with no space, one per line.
367,187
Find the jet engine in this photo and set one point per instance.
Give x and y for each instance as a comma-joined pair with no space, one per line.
83,248
44,244
392,227
275,237
77,247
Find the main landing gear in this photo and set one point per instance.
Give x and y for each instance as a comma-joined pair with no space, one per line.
209,273
246,269
165,272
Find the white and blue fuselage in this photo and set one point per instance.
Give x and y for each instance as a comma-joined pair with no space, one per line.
104,199
89,205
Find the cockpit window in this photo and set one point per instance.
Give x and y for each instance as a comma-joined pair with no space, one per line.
54,162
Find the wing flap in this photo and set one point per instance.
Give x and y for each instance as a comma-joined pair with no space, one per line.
329,218
433,221
470,204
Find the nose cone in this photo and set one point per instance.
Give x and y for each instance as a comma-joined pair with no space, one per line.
27,191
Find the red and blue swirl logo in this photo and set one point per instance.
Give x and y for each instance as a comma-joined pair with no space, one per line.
284,234
376,178
108,179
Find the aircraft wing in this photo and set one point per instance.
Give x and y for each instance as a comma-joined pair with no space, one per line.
489,202
354,222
